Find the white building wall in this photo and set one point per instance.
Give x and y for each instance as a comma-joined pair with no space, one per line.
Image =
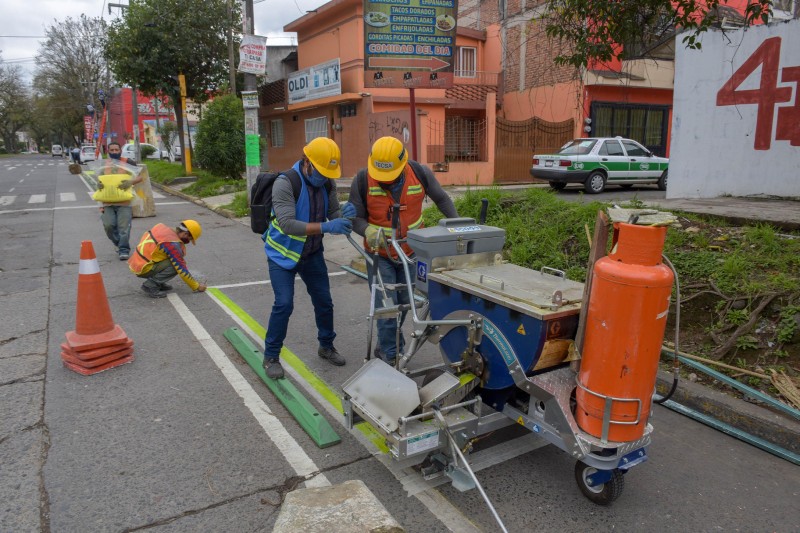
744,149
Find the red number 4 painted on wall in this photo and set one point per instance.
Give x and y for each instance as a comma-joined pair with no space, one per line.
767,56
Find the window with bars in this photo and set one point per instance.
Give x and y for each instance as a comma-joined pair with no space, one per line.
465,139
276,133
466,60
316,127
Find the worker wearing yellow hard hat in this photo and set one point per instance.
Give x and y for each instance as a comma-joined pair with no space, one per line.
392,178
161,255
305,207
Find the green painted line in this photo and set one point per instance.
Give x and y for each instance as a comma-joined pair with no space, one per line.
303,371
317,427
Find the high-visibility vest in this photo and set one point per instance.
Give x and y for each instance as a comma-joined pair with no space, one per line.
379,209
141,261
285,249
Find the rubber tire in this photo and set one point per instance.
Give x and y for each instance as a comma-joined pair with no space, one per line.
591,180
603,494
662,181
557,185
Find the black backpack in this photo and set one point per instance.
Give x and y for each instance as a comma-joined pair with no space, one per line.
261,197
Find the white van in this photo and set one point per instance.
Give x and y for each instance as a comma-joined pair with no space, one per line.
56,150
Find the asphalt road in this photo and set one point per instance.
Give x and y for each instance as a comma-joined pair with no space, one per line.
186,438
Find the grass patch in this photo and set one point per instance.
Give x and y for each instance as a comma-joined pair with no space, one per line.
239,205
207,184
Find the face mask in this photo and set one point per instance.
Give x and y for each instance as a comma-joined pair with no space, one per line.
114,156
316,179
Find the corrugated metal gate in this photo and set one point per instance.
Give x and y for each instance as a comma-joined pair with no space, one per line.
517,141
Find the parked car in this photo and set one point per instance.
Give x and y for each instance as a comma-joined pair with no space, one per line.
129,149
56,150
176,152
600,161
87,153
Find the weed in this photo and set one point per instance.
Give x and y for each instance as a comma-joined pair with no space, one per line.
239,205
754,381
747,342
787,323
737,317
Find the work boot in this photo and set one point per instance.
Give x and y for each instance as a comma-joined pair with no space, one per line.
123,256
273,368
165,286
334,357
378,354
153,292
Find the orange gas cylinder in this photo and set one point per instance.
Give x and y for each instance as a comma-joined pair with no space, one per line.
625,322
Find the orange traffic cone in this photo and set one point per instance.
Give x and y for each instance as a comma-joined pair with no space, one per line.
97,343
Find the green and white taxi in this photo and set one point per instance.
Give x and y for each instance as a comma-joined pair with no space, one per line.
599,161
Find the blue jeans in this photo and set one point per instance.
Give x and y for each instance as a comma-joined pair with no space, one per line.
117,223
314,274
391,272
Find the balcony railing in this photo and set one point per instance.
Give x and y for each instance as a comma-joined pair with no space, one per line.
476,77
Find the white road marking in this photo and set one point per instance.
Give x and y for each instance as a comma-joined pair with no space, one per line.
158,195
263,282
11,168
67,196
7,200
23,179
38,199
433,500
291,450
60,208
11,189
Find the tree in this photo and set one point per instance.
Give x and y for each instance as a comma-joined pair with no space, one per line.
169,133
15,105
599,30
70,69
220,137
159,39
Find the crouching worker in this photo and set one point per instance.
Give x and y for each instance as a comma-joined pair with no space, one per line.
161,255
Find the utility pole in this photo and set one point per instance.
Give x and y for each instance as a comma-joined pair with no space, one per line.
250,114
232,65
155,101
135,106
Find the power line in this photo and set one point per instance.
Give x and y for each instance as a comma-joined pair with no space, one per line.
24,36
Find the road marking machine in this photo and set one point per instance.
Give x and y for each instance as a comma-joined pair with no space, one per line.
507,339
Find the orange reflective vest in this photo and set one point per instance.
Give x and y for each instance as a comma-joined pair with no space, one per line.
141,261
379,209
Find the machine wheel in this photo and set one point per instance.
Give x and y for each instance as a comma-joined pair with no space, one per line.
600,494
557,185
595,183
662,181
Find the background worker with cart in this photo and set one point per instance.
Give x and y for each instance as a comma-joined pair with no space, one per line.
117,215
391,178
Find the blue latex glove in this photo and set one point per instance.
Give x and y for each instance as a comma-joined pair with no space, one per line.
337,226
348,210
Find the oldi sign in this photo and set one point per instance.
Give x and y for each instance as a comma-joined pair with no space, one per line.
315,82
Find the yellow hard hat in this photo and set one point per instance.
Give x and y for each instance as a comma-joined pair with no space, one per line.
324,154
193,227
387,159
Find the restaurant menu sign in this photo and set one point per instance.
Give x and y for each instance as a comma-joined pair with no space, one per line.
409,43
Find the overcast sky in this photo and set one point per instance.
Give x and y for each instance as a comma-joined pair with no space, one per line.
22,21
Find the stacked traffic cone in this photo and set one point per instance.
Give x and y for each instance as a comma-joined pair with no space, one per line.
97,343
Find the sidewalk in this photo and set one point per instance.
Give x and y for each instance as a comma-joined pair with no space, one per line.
777,429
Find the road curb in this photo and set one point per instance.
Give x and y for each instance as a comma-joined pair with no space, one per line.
752,418
198,201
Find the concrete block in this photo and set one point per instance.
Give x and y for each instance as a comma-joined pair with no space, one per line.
349,507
